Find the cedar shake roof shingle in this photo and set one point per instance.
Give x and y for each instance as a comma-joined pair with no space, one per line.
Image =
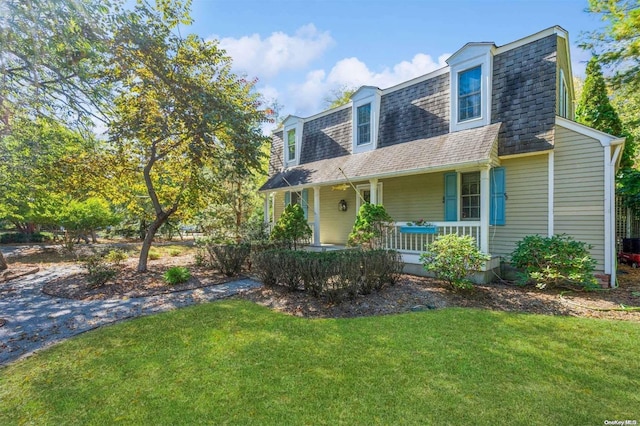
449,150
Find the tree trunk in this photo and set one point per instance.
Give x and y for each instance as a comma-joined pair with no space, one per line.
148,239
94,237
3,262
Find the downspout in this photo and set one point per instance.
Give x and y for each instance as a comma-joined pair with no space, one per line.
611,209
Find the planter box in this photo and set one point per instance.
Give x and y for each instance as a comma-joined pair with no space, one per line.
419,229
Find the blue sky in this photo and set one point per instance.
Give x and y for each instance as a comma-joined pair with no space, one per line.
301,51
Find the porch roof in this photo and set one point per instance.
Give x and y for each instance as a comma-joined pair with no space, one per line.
449,150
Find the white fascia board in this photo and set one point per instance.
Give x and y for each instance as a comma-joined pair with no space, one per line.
525,154
558,30
605,139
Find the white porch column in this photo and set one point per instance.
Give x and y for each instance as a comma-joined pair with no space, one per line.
485,201
373,190
267,212
316,215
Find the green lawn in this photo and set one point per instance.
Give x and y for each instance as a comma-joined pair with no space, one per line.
236,362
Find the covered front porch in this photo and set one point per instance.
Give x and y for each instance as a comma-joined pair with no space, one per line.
452,181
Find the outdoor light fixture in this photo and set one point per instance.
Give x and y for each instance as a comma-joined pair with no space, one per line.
342,205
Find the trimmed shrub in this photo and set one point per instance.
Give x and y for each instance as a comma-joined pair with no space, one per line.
370,227
229,258
453,258
99,272
335,275
176,275
292,228
551,261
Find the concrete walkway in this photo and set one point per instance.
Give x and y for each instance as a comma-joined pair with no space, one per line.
35,320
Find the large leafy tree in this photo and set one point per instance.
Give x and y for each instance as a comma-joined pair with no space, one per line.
181,114
618,45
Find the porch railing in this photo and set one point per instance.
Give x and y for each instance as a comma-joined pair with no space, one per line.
416,243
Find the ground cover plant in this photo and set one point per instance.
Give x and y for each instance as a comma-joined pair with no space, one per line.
234,362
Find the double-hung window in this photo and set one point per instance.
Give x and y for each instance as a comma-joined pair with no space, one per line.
469,94
364,124
291,144
470,196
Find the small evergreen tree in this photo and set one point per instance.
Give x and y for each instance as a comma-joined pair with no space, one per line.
595,110
370,227
292,226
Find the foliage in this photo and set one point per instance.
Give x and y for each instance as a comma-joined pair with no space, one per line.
99,271
229,258
339,97
551,261
618,45
13,238
85,217
453,258
595,110
292,227
182,113
116,257
154,254
335,275
370,227
177,275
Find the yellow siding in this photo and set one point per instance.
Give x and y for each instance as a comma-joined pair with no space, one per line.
579,190
527,185
336,225
414,197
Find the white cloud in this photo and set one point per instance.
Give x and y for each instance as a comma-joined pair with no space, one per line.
308,97
269,56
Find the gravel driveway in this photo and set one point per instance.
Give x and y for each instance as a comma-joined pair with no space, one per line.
35,320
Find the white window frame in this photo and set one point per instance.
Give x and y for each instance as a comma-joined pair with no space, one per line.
365,95
467,58
366,187
479,194
295,124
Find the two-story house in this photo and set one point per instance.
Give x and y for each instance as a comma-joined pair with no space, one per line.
485,146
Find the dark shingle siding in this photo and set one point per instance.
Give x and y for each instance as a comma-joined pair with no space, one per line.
524,84
276,160
328,136
419,111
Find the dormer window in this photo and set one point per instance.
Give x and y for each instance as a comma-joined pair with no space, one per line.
292,135
365,103
469,94
364,124
471,70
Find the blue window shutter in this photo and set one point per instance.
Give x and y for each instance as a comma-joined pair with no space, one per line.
305,202
287,198
498,196
451,197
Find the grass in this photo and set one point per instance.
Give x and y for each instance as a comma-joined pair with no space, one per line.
239,363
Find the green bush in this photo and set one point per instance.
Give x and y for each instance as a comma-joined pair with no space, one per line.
370,227
177,275
174,252
550,261
229,258
335,275
292,228
453,258
99,271
116,257
19,238
154,254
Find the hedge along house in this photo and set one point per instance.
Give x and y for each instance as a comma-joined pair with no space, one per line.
486,146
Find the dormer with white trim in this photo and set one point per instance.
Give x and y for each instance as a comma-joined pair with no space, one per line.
471,73
365,109
292,135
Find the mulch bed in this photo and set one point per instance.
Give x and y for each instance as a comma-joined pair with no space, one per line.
411,293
